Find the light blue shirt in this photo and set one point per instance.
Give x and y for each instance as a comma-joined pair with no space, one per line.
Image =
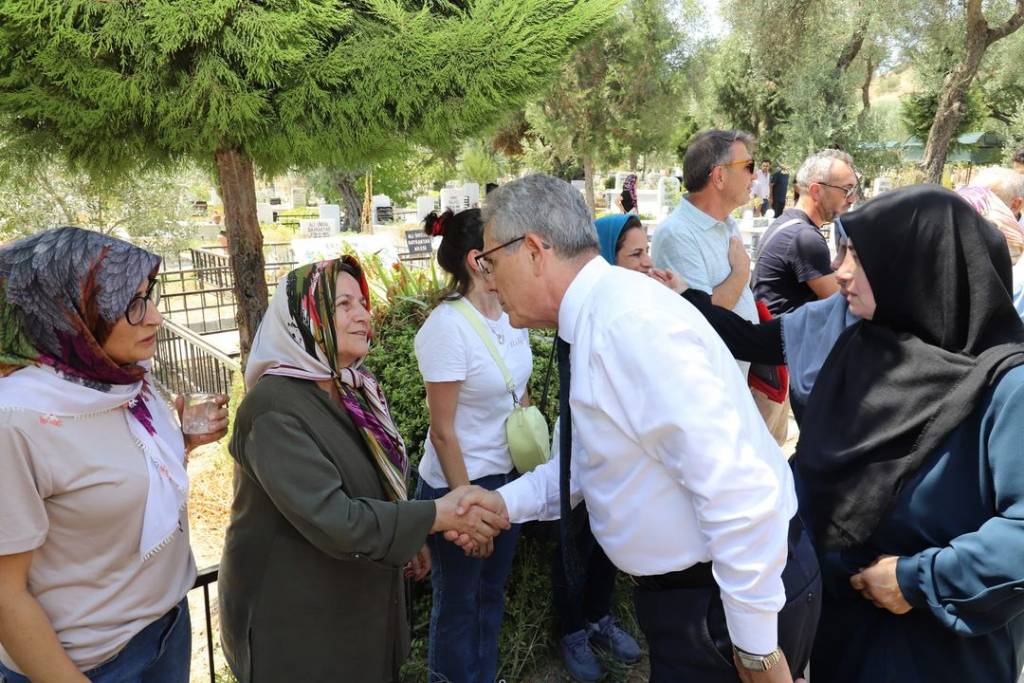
695,245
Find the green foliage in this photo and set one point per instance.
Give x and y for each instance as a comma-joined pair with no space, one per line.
918,112
746,98
619,96
479,164
153,209
302,83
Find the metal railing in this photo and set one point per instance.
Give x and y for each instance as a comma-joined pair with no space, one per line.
185,362
203,580
202,299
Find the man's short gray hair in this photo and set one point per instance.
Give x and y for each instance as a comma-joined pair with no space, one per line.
546,206
817,168
707,150
1003,182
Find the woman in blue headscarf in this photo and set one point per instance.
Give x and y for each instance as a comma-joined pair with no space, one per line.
623,241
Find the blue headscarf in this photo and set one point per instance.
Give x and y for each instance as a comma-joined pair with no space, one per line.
608,230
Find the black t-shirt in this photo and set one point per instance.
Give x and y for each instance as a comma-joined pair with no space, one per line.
787,260
780,184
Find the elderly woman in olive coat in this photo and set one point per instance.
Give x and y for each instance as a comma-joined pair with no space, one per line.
311,582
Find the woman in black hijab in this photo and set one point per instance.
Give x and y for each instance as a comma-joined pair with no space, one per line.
909,464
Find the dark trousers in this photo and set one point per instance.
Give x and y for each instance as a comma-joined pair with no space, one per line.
599,583
779,207
686,631
468,599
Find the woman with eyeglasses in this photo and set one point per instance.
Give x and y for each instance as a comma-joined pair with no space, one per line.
94,549
908,464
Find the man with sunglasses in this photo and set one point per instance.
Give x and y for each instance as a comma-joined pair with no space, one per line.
699,240
793,264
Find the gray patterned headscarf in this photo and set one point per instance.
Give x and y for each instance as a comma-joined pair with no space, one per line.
61,291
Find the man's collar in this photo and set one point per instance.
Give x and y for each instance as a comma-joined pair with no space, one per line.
696,216
577,294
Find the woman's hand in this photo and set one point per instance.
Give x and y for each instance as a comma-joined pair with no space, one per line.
878,584
419,565
218,423
670,279
478,524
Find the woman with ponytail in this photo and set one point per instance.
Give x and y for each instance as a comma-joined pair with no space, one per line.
469,400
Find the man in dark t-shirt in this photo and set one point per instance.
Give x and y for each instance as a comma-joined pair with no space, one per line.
779,186
794,265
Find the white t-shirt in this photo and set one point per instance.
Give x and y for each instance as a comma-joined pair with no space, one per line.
761,185
448,349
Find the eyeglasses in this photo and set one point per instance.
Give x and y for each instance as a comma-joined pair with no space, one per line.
746,163
484,262
848,192
135,312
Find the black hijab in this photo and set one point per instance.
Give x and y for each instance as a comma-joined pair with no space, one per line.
893,388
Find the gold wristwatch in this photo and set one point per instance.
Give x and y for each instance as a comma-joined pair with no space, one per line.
758,662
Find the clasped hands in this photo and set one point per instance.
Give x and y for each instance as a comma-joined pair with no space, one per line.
471,517
877,583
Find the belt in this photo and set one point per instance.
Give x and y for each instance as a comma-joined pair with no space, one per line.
699,575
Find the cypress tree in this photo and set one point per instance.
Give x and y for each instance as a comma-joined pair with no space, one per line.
237,84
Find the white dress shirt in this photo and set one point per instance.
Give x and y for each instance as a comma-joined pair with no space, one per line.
676,464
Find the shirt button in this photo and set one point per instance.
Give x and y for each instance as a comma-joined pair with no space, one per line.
356,556
810,597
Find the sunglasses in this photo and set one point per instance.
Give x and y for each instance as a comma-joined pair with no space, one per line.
848,192
746,163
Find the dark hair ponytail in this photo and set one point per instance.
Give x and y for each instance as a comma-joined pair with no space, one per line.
460,233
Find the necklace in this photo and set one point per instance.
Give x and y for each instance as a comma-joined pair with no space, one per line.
495,326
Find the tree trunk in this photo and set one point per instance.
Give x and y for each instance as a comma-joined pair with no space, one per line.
368,203
245,243
865,90
588,180
350,200
978,37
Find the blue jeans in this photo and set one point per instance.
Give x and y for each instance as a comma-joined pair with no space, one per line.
469,600
159,653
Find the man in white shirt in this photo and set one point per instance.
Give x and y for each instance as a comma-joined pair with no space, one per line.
761,188
685,488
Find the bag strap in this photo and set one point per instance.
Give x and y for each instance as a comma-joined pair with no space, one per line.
762,245
463,307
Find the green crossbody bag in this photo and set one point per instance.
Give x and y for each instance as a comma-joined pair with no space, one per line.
525,429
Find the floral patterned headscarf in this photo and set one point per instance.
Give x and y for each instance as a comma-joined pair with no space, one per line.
297,339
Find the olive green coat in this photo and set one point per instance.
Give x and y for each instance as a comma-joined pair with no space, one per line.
311,584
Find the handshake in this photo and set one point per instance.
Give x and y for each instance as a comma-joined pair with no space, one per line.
471,517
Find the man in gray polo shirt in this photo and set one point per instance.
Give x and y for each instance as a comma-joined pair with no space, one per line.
699,240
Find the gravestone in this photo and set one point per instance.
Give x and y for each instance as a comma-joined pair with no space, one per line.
332,213
316,227
668,194
452,198
265,212
424,205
